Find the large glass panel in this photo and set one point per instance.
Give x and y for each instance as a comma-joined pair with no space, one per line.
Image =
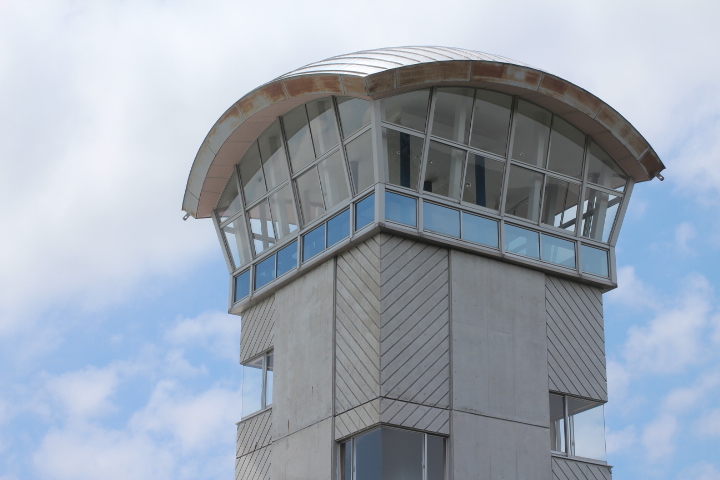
603,171
599,213
558,251
402,454
408,109
346,460
491,121
567,145
435,458
532,131
453,109
338,228
360,157
443,173
365,212
314,242
557,423
287,259
261,225
323,125
441,219
283,211
403,154
310,195
354,114
272,153
299,141
523,194
252,387
483,181
237,239
560,203
333,176
368,456
242,286
251,174
264,272
229,203
401,209
587,428
269,369
480,230
522,241
594,261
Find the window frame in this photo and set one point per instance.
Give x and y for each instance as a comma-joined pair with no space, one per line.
568,429
264,406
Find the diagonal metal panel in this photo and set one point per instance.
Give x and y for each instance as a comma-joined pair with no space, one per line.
566,469
258,323
254,466
254,433
413,415
358,418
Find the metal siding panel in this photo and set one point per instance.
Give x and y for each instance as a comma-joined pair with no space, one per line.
567,469
254,433
258,325
413,415
254,466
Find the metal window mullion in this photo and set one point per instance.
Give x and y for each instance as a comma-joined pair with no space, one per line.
379,159
620,217
424,457
426,142
264,381
508,162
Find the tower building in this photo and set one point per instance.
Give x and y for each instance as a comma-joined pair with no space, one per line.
418,242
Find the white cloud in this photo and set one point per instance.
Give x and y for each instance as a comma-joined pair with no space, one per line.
684,234
709,423
618,380
658,436
700,471
682,400
632,291
219,332
85,393
621,440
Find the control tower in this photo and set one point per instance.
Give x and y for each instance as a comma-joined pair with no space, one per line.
418,241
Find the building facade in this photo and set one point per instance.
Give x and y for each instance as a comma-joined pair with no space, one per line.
418,241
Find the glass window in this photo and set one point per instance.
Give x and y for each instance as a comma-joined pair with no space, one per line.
368,456
441,219
558,251
237,239
453,109
586,420
408,109
532,131
252,387
261,225
229,203
264,272
297,132
333,176
400,209
272,153
402,454
523,194
522,241
287,259
346,460
314,242
323,125
360,158
354,114
557,423
594,261
269,379
435,458
480,230
283,211
365,212
483,181
338,228
491,121
560,203
310,195
443,173
251,174
242,286
567,145
403,154
603,171
599,213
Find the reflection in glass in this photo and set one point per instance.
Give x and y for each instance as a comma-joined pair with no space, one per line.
310,195
354,114
287,259
522,241
558,251
323,125
400,209
272,153
603,171
599,210
453,109
523,194
338,228
251,174
365,212
483,181
252,387
408,109
441,219
360,157
480,230
264,272
237,239
242,286
261,226
586,420
532,131
403,154
557,423
269,369
346,460
368,456
297,132
402,454
435,458
333,176
560,203
443,173
229,203
491,121
314,242
567,144
283,211
594,261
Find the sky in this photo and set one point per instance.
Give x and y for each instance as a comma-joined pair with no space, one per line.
117,357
